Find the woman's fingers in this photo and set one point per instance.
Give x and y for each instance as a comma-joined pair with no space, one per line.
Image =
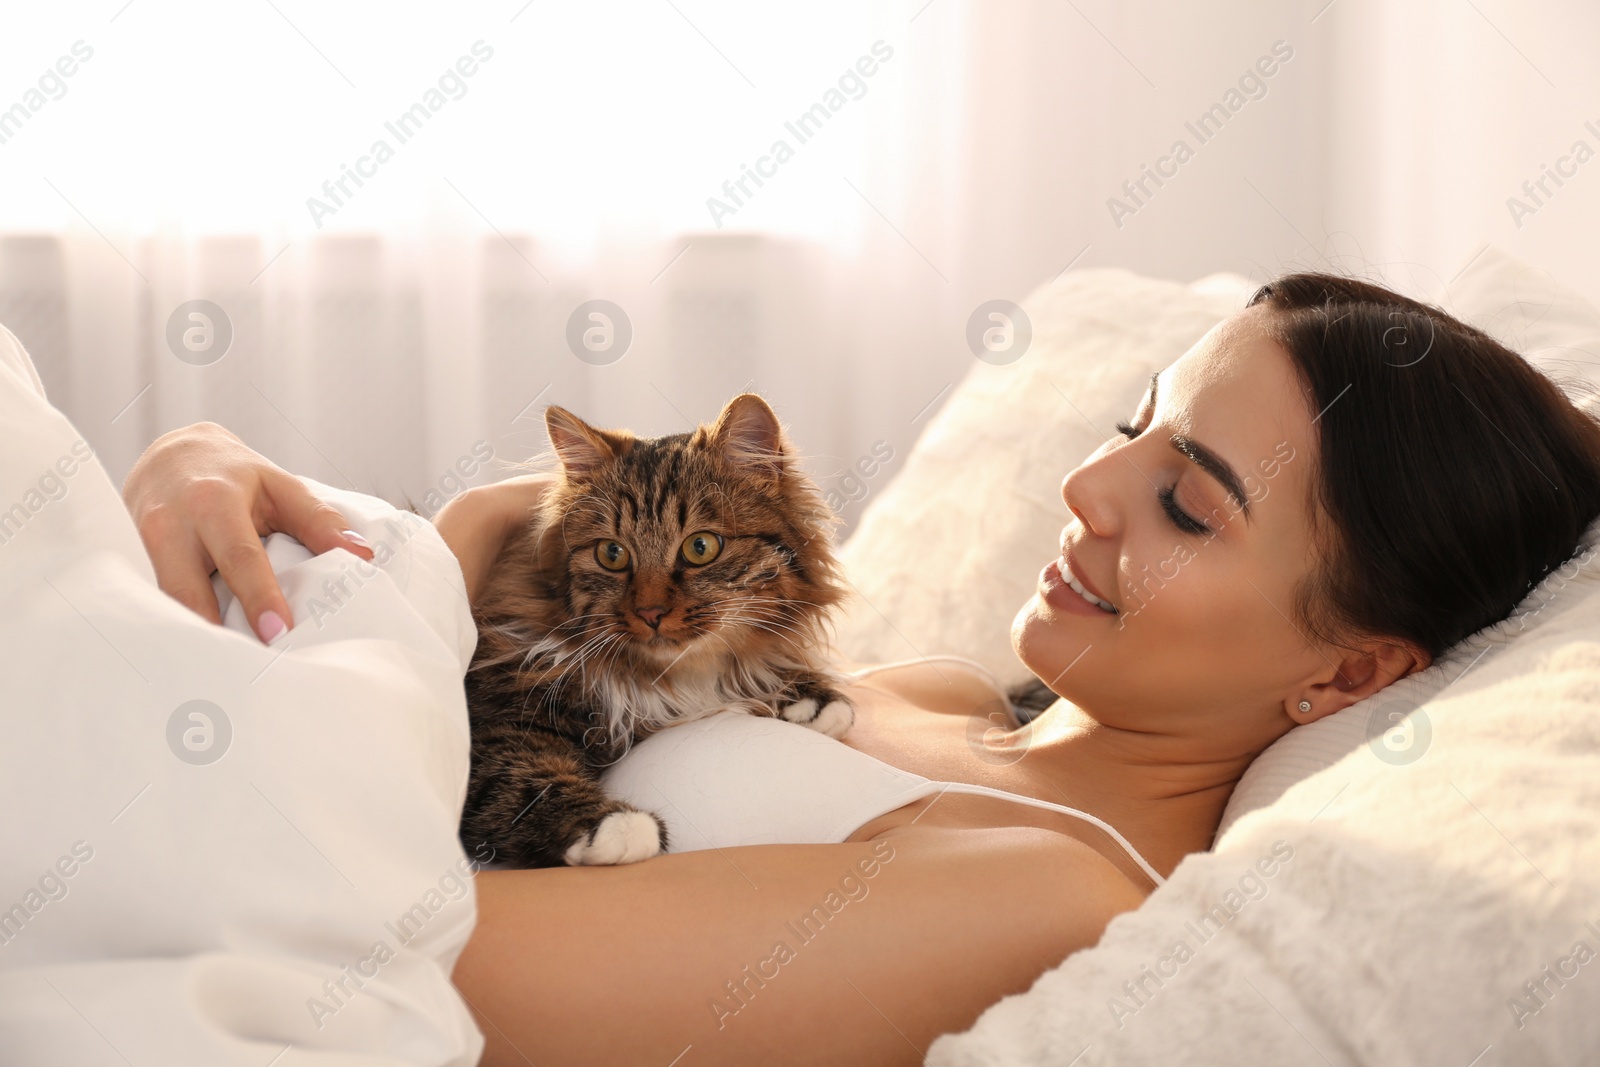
203,500
182,569
228,534
298,512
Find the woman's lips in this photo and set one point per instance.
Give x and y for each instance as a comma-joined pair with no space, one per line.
1071,569
1058,594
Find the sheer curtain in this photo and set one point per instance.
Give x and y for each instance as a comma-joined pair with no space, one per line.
393,314
363,243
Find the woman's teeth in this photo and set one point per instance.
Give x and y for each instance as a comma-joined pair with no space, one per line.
1077,587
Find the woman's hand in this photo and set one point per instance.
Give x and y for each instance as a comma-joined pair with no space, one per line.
476,524
202,500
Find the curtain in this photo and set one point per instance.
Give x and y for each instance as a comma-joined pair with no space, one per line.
393,221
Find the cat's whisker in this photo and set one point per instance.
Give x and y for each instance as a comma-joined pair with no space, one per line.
578,658
793,637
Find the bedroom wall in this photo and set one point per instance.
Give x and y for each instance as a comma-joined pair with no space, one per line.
1391,142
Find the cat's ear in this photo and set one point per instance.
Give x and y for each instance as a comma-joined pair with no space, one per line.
747,433
582,448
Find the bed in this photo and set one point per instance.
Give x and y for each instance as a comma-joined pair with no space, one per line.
1411,881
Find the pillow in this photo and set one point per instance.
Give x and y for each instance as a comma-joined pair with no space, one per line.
952,547
217,849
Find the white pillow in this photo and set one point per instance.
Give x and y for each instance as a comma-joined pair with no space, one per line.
201,830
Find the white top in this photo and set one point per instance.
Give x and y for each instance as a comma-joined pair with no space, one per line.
734,779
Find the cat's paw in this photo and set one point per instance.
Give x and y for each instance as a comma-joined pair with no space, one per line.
833,717
621,837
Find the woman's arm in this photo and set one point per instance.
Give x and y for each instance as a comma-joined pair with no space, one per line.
855,953
476,524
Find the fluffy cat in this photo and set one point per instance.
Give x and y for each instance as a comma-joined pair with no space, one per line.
661,580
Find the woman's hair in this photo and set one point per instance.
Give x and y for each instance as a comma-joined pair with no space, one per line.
1451,475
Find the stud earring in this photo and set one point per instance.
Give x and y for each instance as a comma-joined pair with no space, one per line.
1305,706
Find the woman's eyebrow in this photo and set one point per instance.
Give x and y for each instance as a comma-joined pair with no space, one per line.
1215,466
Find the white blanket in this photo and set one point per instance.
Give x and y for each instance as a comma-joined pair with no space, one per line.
216,850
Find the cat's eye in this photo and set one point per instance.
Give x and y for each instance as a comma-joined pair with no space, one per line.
701,548
612,556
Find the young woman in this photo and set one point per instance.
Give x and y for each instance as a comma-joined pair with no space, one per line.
1328,491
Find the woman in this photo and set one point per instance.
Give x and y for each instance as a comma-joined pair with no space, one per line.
1328,491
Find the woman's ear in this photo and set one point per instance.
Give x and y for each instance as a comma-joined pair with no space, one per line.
1352,675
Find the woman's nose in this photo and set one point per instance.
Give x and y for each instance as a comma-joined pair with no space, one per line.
1086,493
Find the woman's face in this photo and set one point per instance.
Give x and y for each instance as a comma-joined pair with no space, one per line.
1193,527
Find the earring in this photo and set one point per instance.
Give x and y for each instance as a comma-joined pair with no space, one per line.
1305,706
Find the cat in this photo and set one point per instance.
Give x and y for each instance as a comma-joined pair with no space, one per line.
660,580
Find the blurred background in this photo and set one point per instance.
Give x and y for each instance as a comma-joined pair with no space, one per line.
370,238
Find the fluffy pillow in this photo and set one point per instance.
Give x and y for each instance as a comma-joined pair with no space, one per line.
217,849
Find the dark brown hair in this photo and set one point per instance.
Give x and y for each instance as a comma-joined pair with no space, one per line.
1451,474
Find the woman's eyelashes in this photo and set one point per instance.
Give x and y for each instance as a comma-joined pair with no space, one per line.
1180,518
1176,515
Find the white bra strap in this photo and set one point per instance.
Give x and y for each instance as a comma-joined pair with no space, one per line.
1111,831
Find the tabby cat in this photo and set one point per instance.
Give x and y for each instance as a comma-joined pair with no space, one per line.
660,580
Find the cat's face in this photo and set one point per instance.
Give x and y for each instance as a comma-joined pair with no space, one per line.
671,544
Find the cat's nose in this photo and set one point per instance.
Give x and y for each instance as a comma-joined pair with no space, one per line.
652,616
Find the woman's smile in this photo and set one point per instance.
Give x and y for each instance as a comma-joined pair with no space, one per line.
1063,590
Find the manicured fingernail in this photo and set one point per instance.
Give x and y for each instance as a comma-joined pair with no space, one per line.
351,535
269,625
